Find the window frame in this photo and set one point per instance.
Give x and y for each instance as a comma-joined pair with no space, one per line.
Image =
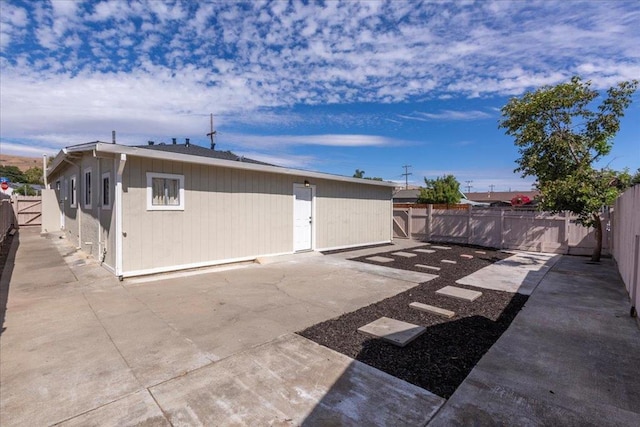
87,194
181,192
73,191
109,193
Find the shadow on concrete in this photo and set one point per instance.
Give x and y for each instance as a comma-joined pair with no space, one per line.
438,361
7,263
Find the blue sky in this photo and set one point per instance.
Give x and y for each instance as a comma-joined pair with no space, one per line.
329,86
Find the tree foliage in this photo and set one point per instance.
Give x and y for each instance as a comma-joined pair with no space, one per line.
440,190
26,190
560,135
12,173
360,174
34,175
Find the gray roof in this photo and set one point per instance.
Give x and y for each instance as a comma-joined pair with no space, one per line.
196,150
407,194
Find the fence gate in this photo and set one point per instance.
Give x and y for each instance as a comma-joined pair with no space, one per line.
28,210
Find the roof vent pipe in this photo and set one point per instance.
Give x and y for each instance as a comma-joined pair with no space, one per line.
186,142
174,141
113,136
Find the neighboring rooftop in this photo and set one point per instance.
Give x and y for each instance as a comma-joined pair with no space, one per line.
500,196
196,150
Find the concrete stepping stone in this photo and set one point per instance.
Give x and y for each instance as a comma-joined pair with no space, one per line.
432,309
380,259
424,251
460,293
428,267
441,247
466,256
481,252
394,331
404,254
448,261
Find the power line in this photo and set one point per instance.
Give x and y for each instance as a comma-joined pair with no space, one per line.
406,176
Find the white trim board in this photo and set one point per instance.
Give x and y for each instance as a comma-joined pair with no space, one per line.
197,265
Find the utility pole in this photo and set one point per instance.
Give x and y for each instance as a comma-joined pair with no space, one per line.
212,134
469,186
491,188
406,176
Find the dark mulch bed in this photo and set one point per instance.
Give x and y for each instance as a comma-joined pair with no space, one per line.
441,358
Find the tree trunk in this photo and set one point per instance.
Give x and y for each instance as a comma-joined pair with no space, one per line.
597,251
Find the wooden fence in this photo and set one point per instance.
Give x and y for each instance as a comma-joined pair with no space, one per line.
7,216
499,228
626,241
28,210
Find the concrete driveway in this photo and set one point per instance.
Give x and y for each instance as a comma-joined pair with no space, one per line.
81,348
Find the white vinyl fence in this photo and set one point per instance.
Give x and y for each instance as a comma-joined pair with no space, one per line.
626,241
499,228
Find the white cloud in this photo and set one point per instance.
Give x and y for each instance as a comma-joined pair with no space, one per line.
155,67
455,115
325,140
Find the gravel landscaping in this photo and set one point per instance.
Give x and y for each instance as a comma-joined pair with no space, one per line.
441,358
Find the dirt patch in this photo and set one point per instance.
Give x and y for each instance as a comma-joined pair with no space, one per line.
440,359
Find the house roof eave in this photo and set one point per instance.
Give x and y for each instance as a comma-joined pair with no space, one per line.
188,158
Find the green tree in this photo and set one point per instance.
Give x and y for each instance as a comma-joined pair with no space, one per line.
360,174
440,190
26,190
560,134
34,175
12,173
635,179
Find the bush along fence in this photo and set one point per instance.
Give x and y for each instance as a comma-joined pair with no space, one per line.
499,228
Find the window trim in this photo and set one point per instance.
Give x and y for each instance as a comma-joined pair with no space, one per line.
106,175
87,193
73,191
150,205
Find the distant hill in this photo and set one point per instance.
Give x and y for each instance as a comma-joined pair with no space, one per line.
22,163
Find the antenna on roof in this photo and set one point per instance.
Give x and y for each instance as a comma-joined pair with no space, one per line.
212,134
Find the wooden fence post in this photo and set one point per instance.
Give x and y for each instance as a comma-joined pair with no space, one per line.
429,221
566,231
469,228
501,228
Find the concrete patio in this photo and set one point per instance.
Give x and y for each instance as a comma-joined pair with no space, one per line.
217,348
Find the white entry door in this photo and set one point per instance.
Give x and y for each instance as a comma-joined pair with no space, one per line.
302,217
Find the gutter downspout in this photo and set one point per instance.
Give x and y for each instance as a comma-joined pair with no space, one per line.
119,167
99,204
77,202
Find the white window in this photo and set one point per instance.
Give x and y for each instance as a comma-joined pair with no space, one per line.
87,188
73,201
165,192
106,190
